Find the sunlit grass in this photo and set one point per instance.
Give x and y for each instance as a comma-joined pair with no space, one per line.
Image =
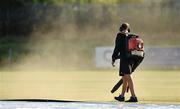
161,86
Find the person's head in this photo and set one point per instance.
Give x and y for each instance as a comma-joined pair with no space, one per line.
124,27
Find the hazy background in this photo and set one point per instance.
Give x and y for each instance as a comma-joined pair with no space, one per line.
64,34
47,48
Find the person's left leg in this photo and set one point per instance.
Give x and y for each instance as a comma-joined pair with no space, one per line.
130,83
131,87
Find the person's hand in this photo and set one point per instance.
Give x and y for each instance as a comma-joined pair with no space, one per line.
113,63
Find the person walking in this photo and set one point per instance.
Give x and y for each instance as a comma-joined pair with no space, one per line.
127,64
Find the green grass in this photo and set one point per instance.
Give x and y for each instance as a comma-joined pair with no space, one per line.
154,86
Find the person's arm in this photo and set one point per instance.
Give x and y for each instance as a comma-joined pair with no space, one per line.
116,51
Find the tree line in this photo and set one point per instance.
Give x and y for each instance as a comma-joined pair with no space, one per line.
17,17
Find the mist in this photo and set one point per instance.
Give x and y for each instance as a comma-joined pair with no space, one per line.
65,36
55,59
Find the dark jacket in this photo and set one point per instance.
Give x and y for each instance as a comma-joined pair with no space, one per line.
120,47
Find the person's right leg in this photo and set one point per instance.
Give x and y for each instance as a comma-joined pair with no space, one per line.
121,96
124,87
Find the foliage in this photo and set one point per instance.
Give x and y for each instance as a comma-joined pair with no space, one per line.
85,1
80,25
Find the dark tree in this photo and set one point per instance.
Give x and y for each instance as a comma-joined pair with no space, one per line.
13,14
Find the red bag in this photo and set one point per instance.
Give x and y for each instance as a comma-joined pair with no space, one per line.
135,46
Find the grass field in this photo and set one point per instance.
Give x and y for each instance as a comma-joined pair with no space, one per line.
153,86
